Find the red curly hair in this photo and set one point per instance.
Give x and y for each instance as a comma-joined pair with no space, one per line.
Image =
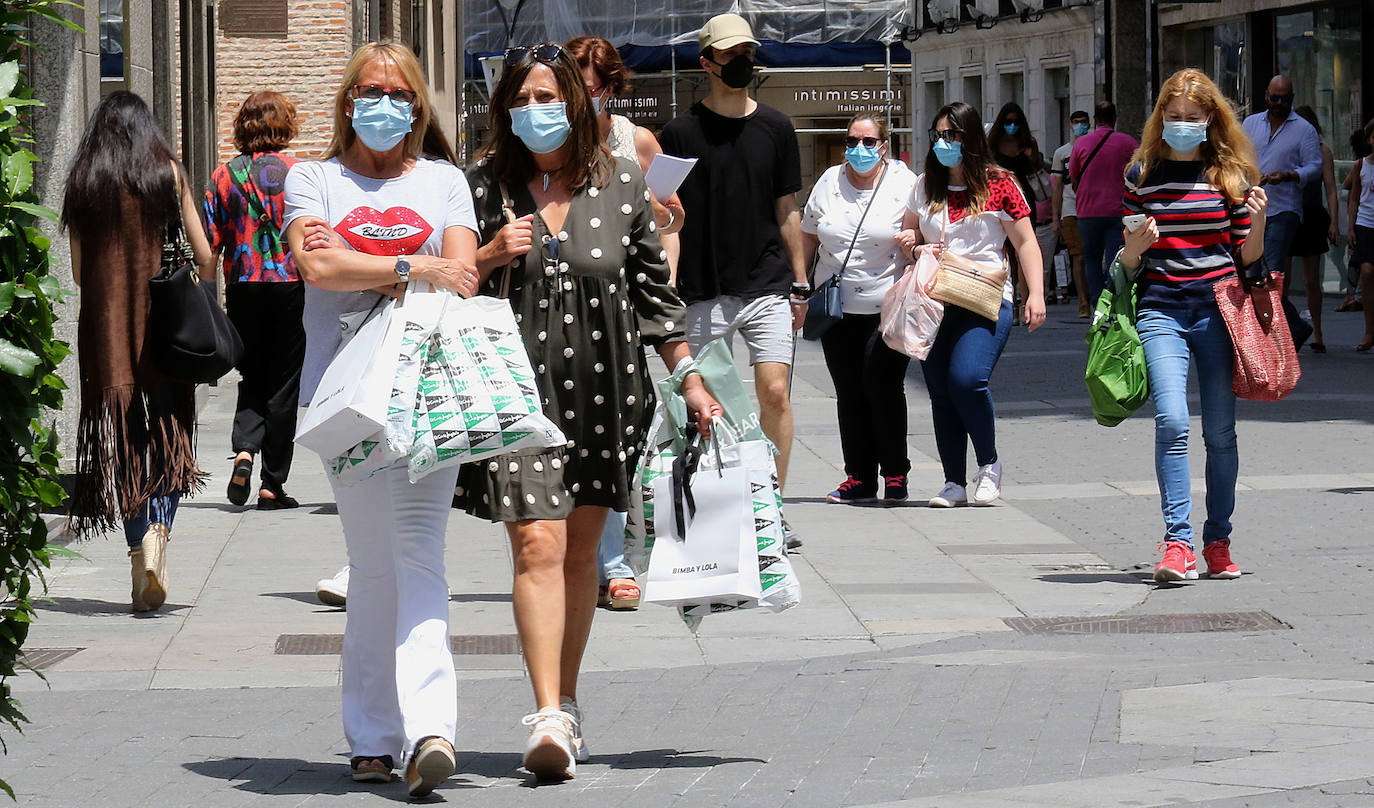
265,123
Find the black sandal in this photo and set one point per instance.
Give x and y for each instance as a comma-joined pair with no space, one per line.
1318,347
238,481
279,501
372,768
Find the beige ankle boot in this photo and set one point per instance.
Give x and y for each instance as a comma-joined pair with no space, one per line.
155,565
140,575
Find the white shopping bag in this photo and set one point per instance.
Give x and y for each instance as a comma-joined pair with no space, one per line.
714,556
350,404
419,314
476,393
1061,269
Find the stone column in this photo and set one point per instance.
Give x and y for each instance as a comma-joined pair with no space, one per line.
65,71
1129,86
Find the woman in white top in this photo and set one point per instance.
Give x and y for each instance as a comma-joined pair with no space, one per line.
967,204
851,221
372,214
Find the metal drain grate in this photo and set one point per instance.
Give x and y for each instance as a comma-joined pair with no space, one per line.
41,659
462,644
1148,623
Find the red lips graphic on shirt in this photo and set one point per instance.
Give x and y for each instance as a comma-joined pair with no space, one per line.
397,231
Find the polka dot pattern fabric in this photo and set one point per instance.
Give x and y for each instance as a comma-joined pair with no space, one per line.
588,299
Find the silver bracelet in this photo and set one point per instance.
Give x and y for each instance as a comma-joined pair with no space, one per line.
671,217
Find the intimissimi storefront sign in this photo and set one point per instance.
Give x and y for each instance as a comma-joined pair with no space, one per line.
826,101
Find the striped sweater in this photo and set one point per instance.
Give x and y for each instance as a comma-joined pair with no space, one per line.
1200,235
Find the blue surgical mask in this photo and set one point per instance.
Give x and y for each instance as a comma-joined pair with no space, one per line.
596,103
1184,136
381,123
1080,129
950,153
542,127
862,158
1011,128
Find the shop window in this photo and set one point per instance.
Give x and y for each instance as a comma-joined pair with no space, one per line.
973,92
113,16
1057,109
1013,88
935,98
1320,50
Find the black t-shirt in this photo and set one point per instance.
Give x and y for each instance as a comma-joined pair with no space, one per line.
731,242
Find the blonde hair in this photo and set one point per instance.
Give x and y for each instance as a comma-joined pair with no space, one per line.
409,67
1227,153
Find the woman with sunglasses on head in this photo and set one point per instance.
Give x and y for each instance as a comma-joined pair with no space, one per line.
606,77
588,280
371,216
851,223
1194,176
968,205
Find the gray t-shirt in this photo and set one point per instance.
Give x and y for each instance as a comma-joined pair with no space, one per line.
404,215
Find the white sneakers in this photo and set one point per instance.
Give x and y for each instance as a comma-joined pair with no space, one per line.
580,751
549,753
986,487
951,496
987,484
333,591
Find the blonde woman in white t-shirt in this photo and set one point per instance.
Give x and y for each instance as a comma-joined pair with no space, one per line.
851,223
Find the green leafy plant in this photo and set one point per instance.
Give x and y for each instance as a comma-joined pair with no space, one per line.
29,355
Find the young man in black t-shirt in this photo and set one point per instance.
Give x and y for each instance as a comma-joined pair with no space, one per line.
741,268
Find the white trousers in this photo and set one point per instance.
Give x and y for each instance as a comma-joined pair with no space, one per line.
398,679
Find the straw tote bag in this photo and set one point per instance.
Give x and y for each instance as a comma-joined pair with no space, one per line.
966,283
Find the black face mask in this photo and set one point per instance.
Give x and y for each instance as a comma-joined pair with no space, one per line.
737,72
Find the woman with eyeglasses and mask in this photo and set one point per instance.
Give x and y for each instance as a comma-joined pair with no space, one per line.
371,216
1015,149
968,205
1195,177
851,223
606,77
588,280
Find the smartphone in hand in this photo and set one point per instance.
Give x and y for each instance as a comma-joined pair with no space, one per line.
1133,222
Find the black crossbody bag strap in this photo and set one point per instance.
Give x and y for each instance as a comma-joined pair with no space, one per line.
1084,168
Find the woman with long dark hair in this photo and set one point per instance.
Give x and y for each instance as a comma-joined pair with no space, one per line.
135,441
965,203
1014,148
263,293
590,288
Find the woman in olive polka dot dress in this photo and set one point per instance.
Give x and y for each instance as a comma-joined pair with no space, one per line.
588,280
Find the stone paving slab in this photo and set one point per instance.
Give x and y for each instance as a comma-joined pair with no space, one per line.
895,683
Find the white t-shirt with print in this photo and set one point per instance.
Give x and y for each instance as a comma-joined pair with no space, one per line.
1059,166
979,237
404,215
832,214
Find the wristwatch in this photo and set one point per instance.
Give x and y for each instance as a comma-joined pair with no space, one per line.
801,289
402,269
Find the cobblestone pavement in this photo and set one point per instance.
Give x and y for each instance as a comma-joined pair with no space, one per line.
898,681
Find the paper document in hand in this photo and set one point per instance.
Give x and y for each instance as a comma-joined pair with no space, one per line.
666,174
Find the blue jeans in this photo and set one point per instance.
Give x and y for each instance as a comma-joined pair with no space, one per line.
1279,231
1171,337
1101,239
610,555
161,509
956,371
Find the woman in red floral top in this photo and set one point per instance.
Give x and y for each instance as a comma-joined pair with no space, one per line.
263,292
966,204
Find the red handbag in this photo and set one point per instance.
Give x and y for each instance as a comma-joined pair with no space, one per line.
1266,367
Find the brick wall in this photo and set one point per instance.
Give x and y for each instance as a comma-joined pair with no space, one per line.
305,66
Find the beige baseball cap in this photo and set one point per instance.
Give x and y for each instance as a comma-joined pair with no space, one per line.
725,31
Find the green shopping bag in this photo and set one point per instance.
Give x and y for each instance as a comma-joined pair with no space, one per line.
718,372
1117,381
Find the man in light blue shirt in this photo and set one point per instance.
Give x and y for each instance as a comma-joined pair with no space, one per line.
1290,156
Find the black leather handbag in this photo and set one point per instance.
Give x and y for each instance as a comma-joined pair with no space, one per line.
189,335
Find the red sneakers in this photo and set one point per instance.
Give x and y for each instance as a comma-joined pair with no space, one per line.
1218,557
1179,563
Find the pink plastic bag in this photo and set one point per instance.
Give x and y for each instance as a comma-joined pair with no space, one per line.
910,316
